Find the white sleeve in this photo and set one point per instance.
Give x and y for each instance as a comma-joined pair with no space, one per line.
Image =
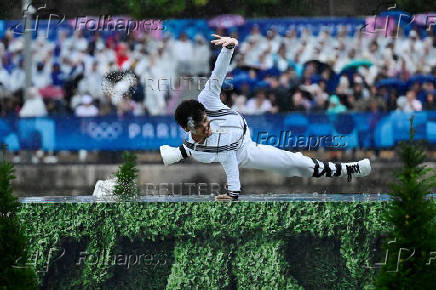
230,165
210,95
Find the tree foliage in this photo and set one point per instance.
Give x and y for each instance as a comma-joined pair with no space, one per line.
410,244
14,273
126,187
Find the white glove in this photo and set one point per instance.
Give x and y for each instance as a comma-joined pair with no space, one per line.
170,154
104,187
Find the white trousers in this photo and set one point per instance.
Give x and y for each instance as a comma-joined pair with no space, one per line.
267,157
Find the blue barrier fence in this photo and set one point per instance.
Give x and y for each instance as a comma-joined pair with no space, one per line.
295,131
191,27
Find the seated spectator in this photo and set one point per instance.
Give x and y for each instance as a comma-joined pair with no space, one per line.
430,104
8,107
4,79
34,105
359,91
238,102
335,105
391,103
57,76
18,77
299,102
126,107
258,105
7,63
40,78
201,56
56,107
373,107
279,59
320,104
86,109
183,54
409,103
90,80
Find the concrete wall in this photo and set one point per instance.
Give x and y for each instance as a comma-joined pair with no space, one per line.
79,179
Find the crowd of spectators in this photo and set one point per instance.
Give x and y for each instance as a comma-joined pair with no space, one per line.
269,73
280,73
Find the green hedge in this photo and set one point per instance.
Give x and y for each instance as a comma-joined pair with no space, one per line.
283,245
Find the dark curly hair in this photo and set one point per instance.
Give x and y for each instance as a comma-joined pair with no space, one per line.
188,108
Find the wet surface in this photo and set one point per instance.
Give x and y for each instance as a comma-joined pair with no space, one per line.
300,197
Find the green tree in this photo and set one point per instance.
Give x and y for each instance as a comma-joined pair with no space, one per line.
411,216
126,187
14,273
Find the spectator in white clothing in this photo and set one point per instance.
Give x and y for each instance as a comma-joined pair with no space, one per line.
18,77
202,55
182,51
258,105
34,105
409,103
4,79
41,79
86,109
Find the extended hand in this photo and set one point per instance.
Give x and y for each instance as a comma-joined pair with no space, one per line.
224,41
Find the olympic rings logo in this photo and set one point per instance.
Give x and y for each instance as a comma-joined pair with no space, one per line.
104,130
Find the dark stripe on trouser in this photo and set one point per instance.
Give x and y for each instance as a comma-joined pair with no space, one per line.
328,171
338,170
315,170
183,151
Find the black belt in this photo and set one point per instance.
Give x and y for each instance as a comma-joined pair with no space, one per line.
211,149
216,149
220,113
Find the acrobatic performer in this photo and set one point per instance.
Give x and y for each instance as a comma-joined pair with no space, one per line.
218,134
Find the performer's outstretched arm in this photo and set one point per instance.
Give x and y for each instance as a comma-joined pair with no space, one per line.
210,95
230,165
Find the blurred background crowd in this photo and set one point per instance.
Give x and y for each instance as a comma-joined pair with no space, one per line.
270,72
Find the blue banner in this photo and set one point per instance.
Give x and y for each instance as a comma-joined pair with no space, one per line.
192,27
295,131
